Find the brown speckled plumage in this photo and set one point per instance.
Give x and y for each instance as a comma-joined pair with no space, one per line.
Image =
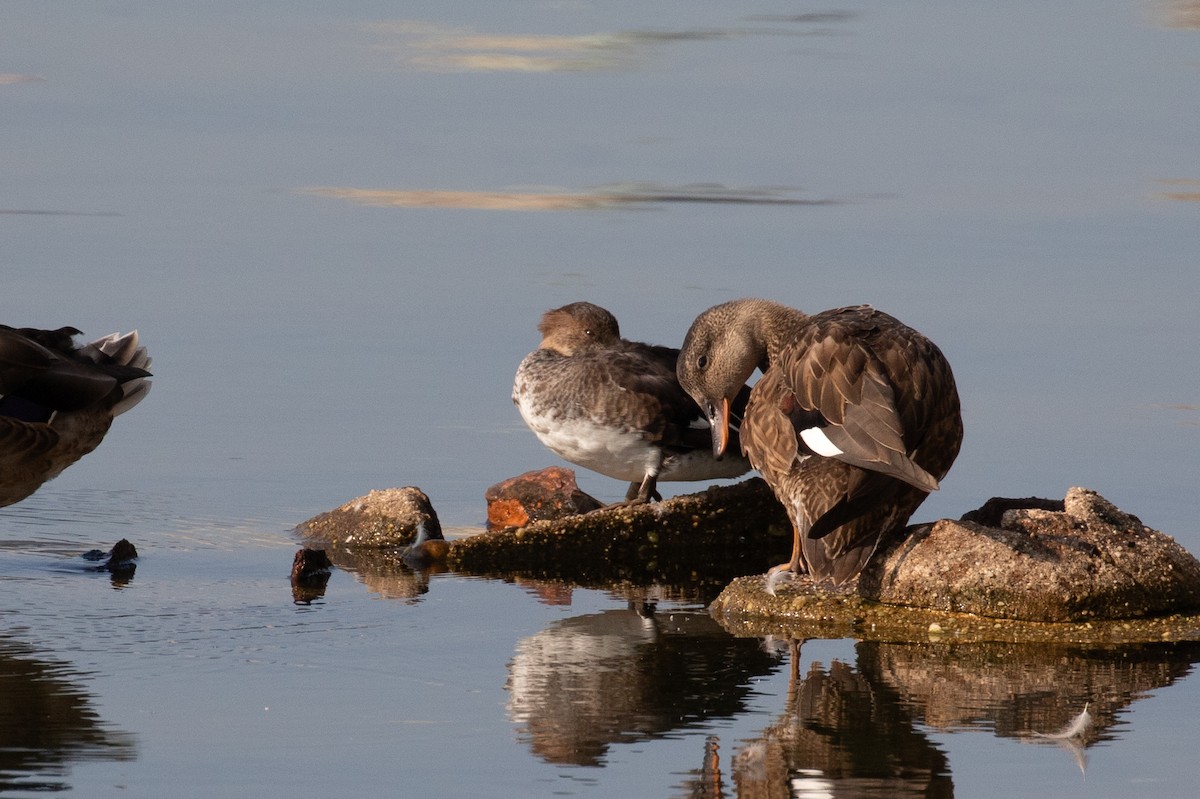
875,396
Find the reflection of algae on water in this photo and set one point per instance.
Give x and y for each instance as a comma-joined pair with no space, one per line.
622,195
1179,14
1188,408
430,47
438,48
1186,191
9,78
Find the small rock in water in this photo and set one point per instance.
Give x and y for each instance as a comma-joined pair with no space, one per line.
310,575
390,517
118,560
310,565
1080,559
428,549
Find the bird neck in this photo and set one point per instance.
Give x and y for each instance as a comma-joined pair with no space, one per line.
774,326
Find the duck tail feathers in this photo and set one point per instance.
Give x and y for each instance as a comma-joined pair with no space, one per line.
123,349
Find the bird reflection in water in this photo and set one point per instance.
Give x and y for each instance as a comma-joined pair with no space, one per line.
586,683
854,731
847,729
841,734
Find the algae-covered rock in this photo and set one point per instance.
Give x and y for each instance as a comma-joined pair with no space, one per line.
712,535
1085,560
389,517
1036,564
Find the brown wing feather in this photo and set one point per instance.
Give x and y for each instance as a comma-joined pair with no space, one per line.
890,404
20,440
836,370
768,437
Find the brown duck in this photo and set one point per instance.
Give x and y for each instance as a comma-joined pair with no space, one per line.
58,399
854,421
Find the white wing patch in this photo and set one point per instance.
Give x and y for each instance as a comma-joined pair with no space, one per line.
818,442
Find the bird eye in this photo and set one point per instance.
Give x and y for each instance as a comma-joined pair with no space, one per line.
702,362
587,331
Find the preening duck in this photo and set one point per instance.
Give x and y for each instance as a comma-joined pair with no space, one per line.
58,399
615,406
854,421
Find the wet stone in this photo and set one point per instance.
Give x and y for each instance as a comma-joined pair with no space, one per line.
311,569
710,536
545,494
310,565
1025,566
384,518
118,560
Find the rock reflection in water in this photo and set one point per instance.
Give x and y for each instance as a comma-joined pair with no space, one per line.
46,722
618,676
383,571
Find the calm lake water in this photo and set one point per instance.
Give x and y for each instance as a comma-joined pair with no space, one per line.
335,226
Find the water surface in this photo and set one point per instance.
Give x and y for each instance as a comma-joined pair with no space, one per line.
336,224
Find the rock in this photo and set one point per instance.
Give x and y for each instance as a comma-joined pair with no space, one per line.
119,560
390,517
428,549
310,565
546,494
711,537
1088,560
1078,561
310,574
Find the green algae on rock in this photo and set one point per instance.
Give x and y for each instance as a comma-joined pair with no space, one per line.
799,611
1077,570
713,535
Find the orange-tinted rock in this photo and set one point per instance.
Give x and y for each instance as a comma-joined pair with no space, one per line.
546,494
429,549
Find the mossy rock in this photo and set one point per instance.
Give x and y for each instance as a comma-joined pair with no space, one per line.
1079,569
710,536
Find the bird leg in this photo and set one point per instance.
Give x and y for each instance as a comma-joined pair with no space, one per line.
793,566
640,493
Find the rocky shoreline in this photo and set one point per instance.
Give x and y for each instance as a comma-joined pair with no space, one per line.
1076,569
